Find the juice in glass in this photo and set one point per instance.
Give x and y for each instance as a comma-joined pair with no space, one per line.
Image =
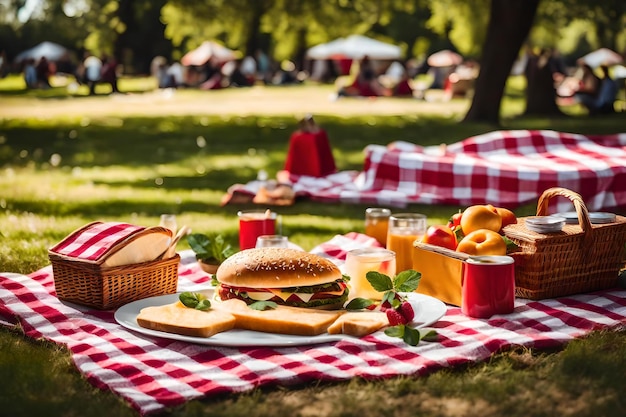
255,223
359,262
377,223
404,229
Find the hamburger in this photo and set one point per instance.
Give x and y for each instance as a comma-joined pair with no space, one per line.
285,276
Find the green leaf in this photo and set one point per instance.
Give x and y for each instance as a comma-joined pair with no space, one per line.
263,305
411,336
210,248
380,282
193,299
395,331
359,304
203,305
429,335
389,296
200,244
407,281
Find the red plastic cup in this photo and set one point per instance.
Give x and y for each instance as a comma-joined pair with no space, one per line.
488,286
255,223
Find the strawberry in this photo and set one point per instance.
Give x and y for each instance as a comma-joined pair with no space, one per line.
385,305
406,309
395,317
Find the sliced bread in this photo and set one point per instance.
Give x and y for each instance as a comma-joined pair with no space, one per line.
178,319
359,323
282,320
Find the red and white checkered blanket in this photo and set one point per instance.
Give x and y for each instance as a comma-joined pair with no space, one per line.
504,168
154,373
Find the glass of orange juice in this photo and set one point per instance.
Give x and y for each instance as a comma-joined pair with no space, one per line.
361,261
376,223
404,229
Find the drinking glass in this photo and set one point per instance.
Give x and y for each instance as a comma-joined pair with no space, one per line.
169,222
254,223
404,229
359,262
377,223
272,241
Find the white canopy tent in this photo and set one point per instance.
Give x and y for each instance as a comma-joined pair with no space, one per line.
52,51
209,50
602,56
355,47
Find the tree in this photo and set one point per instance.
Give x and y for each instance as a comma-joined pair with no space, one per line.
540,89
509,24
140,34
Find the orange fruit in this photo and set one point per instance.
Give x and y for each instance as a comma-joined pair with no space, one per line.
480,217
482,242
508,217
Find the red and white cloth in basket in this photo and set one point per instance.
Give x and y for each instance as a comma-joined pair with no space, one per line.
154,373
94,241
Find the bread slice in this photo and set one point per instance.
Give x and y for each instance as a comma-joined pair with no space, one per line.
178,319
359,323
282,320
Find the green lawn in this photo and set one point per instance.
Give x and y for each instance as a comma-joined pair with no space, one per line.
59,173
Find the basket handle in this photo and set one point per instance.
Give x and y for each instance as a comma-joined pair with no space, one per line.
574,197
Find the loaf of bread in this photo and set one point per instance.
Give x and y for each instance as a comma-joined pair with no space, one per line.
178,319
282,320
359,323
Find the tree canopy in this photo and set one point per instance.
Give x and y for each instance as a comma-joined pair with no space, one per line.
135,31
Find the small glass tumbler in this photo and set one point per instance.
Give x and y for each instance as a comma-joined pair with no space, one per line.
169,222
377,223
272,241
361,261
404,230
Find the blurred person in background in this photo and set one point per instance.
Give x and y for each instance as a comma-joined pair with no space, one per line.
43,73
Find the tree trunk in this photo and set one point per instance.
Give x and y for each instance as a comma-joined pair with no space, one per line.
509,24
540,90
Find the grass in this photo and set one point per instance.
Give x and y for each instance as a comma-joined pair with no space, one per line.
59,173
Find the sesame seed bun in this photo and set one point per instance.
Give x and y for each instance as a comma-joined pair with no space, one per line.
276,268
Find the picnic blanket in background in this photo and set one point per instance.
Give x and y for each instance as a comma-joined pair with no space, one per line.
504,168
154,373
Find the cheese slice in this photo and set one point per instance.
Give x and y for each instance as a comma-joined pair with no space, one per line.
271,292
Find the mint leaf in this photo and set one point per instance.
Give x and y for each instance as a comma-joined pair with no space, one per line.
195,300
390,297
359,304
411,336
429,335
203,305
380,282
407,281
263,305
395,331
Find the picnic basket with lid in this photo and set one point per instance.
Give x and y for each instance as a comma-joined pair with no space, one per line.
581,258
106,265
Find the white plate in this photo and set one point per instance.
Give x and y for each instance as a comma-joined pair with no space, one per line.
595,217
428,310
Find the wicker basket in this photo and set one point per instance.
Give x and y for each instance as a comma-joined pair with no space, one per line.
95,285
581,258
